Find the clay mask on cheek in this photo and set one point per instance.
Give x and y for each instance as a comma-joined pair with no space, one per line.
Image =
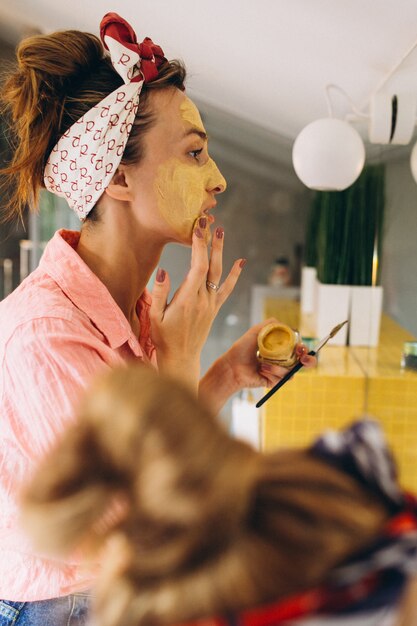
182,186
181,191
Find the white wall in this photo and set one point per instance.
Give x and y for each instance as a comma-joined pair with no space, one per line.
399,271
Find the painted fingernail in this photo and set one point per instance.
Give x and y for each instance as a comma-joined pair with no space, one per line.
219,232
198,233
242,262
160,275
202,222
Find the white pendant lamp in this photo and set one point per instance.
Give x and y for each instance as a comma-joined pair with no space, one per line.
328,155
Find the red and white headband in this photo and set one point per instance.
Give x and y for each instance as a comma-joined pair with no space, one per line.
87,155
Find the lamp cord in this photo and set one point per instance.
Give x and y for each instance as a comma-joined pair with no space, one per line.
357,110
352,104
388,76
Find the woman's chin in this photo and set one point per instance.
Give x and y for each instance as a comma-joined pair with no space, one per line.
183,239
184,235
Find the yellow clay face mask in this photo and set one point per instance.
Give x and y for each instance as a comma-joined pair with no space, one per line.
190,114
182,186
182,192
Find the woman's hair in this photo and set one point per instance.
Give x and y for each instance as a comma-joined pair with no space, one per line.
194,522
58,78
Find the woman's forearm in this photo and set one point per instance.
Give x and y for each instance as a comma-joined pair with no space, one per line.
187,372
217,385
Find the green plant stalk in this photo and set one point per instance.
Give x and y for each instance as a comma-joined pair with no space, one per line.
344,228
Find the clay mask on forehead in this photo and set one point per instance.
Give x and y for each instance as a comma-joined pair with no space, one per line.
191,115
182,186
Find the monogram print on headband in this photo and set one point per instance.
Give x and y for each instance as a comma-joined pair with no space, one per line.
124,59
86,159
82,163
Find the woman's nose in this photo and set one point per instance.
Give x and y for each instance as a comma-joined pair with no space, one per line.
217,182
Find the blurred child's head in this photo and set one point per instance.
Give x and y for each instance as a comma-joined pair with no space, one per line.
188,520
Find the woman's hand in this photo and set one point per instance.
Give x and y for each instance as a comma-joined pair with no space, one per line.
180,327
239,368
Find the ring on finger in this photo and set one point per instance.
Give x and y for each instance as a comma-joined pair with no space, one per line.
212,286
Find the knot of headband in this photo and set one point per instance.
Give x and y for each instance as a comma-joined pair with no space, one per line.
120,40
87,155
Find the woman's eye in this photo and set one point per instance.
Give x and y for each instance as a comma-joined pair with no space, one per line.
195,153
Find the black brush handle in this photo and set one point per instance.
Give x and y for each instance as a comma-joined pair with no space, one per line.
281,382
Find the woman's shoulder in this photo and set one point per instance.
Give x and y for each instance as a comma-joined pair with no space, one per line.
36,306
37,297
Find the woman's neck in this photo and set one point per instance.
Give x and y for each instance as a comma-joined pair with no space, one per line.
122,259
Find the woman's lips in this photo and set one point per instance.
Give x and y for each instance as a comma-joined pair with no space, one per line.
209,215
209,207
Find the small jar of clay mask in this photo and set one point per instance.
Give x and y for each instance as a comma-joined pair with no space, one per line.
277,343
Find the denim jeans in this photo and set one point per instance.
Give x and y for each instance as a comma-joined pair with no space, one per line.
73,610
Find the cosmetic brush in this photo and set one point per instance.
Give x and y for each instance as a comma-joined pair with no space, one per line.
299,365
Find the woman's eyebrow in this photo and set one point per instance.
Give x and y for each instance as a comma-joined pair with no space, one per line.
196,131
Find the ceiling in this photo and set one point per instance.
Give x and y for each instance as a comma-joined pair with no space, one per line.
263,63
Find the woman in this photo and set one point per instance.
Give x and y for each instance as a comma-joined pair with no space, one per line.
198,527
113,132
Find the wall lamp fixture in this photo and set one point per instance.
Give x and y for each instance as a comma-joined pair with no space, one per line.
329,154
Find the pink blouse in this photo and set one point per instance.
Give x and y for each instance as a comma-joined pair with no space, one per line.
58,329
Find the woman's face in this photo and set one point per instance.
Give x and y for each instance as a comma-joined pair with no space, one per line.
176,181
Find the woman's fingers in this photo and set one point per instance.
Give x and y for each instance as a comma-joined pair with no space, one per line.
309,360
300,350
230,282
216,256
274,373
160,294
197,275
306,359
204,270
270,378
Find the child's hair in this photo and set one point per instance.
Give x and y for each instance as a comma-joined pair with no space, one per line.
195,522
58,78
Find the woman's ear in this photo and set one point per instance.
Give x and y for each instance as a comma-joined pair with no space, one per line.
119,188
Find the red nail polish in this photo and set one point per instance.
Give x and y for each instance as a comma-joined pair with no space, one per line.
198,233
219,232
202,222
242,262
160,275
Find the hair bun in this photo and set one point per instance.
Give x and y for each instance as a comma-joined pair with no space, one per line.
51,70
63,54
